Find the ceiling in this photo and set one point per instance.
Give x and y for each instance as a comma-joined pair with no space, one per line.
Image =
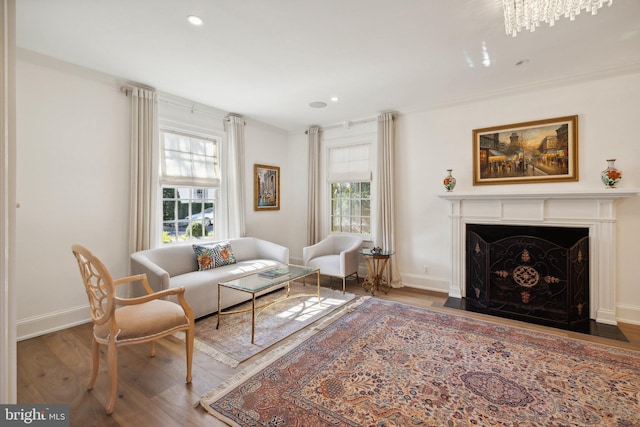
268,59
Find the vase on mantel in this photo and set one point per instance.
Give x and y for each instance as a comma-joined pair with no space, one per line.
449,181
611,176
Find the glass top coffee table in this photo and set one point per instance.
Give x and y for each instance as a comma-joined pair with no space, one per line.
262,281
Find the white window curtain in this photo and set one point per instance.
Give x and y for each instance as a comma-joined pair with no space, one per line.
144,168
230,219
313,203
385,233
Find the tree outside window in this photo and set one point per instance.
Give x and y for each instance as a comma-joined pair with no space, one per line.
351,208
187,213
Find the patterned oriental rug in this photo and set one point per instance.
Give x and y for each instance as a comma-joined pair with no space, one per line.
389,364
231,343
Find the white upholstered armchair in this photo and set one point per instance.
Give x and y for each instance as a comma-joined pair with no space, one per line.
335,256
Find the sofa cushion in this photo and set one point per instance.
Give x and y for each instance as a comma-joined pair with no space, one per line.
175,265
244,248
328,264
144,320
201,287
174,259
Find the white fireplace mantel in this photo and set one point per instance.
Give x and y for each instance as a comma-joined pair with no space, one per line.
583,208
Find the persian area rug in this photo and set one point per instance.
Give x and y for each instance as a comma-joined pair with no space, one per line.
389,364
231,343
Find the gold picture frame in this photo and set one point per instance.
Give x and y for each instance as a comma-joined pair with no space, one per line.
266,187
530,152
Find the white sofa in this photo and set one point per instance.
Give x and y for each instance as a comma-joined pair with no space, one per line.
175,265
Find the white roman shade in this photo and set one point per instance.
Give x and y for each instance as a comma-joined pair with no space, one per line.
350,163
189,161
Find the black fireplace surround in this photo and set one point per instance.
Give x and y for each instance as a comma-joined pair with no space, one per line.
537,274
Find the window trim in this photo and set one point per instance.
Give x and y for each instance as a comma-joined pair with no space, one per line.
189,131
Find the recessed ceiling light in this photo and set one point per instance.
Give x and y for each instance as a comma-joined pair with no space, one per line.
195,20
335,99
317,104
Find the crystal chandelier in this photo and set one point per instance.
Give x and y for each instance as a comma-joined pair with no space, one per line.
528,14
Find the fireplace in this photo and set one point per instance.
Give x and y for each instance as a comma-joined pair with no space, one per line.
593,210
532,273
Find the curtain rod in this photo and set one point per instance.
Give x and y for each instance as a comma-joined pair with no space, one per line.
192,108
346,125
126,88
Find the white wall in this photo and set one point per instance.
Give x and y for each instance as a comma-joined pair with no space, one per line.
432,141
73,183
266,145
72,186
429,142
72,173
298,186
363,131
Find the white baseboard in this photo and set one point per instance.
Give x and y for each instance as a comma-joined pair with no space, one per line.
424,282
628,314
51,322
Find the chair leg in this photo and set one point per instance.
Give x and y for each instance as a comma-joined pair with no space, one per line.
189,344
344,284
153,349
95,350
112,368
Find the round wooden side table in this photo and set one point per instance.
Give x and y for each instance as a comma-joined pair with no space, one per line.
376,261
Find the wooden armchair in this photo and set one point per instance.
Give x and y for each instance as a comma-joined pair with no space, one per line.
124,321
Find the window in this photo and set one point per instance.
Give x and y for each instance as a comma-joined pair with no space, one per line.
189,181
351,208
349,174
187,213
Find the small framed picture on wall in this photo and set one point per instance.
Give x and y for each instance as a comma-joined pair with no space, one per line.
266,188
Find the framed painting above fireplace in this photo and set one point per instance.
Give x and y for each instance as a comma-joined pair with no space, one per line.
530,152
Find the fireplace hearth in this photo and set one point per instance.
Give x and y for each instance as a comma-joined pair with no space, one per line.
531,273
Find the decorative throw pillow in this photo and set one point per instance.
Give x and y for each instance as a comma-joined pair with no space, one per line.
223,255
205,257
212,256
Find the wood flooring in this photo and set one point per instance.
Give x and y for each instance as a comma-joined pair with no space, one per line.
56,367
